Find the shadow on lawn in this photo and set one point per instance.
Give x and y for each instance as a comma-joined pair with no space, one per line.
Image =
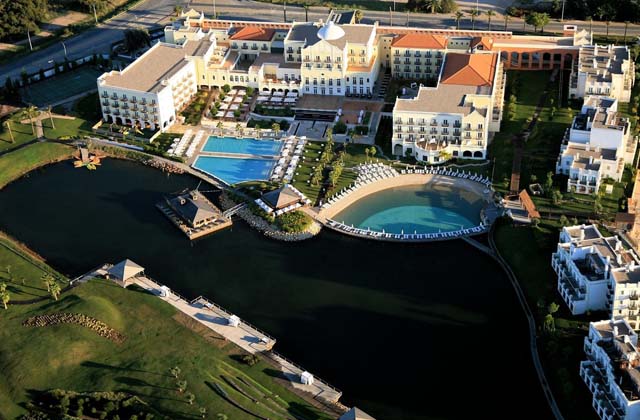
97,365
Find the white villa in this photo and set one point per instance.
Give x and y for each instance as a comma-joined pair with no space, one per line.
603,70
596,146
612,369
455,118
596,273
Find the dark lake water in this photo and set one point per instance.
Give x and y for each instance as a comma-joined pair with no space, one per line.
405,331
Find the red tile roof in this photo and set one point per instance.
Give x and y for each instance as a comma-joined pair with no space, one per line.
420,40
482,42
469,69
253,33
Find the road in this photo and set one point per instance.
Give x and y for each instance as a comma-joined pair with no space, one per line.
156,13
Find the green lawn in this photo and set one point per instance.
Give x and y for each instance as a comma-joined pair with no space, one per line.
71,357
21,132
305,169
528,252
19,162
22,273
66,128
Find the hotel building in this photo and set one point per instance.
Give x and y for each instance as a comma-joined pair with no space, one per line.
456,117
596,146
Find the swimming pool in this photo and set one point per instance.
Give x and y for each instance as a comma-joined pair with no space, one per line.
242,146
232,170
428,208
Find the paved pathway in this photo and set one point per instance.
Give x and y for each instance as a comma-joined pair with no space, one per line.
244,335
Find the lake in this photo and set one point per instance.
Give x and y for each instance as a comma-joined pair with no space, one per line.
406,331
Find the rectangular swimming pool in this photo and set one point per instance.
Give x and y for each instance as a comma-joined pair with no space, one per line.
242,146
233,170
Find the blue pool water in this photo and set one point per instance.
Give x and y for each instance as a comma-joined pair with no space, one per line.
232,170
420,208
242,146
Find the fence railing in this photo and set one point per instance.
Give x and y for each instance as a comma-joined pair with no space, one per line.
226,312
273,354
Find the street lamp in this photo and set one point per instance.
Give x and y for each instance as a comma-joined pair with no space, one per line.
65,49
215,16
562,15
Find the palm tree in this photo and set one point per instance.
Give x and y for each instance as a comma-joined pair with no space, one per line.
203,412
182,386
177,9
506,20
306,12
220,126
276,128
474,14
626,25
607,23
258,130
31,110
358,15
53,126
47,280
490,14
590,19
55,290
4,295
175,372
191,398
373,151
238,128
458,16
8,124
434,5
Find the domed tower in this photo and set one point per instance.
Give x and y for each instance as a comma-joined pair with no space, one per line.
330,32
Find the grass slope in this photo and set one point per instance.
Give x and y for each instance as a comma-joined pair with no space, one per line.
74,358
19,162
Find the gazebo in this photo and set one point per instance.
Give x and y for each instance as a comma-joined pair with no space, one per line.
124,271
356,414
282,200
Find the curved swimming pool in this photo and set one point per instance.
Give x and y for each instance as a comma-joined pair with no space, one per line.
426,208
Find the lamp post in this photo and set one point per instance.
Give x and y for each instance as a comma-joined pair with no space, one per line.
284,10
65,49
215,15
29,38
562,14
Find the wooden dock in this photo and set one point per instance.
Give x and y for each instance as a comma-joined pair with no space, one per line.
193,233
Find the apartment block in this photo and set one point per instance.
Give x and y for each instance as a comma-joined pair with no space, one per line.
596,146
603,70
611,370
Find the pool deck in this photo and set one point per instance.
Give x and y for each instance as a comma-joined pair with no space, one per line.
325,215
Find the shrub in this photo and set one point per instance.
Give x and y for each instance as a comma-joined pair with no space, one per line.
294,221
226,88
340,128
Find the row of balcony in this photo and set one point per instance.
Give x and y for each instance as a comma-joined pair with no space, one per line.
127,114
321,66
134,100
433,123
417,62
417,54
444,131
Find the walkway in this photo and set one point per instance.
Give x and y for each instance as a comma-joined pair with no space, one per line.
533,343
244,335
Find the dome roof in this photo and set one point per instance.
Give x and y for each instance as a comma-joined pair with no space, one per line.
330,31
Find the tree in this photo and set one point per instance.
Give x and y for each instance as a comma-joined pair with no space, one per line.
564,221
553,308
221,416
32,113
537,20
535,222
175,372
48,280
258,130
607,23
190,398
17,16
276,128
458,16
182,386
8,124
53,126
55,290
177,9
358,15
434,5
597,206
490,14
506,20
474,13
220,126
306,12
549,323
574,221
135,39
448,6
203,412
4,295
373,151
556,197
626,26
